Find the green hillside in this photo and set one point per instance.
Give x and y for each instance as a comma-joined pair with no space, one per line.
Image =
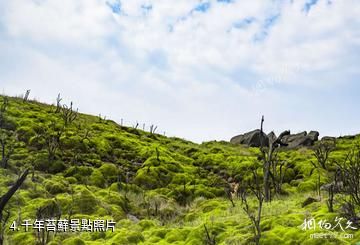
158,190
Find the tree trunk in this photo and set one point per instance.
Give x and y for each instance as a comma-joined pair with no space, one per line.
267,181
5,199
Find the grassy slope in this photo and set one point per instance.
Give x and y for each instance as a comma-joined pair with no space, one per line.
174,186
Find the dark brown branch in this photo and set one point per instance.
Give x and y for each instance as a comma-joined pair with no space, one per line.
6,197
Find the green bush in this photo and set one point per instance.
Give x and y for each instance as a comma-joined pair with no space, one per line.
73,241
25,133
86,202
97,178
54,187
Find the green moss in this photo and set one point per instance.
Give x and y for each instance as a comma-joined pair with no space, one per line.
86,202
172,186
74,241
176,235
147,224
23,239
24,133
97,179
307,185
135,237
55,187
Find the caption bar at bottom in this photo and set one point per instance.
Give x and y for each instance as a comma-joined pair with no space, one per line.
64,225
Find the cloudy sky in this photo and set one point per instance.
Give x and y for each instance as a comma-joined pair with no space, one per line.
200,70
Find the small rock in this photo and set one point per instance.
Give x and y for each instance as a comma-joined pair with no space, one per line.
133,218
308,201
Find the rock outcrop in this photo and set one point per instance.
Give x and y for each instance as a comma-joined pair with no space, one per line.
254,139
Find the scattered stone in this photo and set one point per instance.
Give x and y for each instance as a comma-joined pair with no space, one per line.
133,218
337,187
308,201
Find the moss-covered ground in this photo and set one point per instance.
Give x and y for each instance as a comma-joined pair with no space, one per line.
158,190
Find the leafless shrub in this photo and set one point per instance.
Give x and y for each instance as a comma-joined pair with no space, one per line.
26,96
58,103
68,114
253,186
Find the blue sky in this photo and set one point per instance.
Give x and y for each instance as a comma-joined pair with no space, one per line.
200,70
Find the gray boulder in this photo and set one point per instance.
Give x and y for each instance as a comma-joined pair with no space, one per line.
237,139
272,137
314,135
293,137
253,139
337,186
301,139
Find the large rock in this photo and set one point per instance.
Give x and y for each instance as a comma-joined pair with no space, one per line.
253,138
272,137
301,139
238,139
314,135
293,137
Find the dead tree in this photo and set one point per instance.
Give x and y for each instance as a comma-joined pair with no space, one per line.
253,186
52,138
268,157
231,190
58,103
53,144
3,109
277,174
5,199
7,149
49,212
153,129
26,96
321,153
68,114
349,170
209,238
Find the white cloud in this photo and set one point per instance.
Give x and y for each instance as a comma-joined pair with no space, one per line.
191,72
